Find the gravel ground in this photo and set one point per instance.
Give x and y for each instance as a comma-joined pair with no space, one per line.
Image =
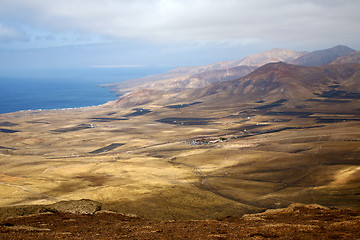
295,222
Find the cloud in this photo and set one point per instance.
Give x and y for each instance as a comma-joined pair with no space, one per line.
10,34
195,20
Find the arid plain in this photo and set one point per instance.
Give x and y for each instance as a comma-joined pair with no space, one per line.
189,160
204,142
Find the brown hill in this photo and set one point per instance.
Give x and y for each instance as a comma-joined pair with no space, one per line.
181,79
184,78
282,80
204,79
322,57
269,82
353,57
140,97
198,77
198,80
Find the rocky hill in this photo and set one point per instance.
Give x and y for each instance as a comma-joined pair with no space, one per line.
298,221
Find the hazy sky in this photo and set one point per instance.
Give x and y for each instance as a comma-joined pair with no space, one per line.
85,33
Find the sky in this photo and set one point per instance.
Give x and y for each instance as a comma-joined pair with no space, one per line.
40,34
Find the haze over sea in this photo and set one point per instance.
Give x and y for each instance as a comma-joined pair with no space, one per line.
67,88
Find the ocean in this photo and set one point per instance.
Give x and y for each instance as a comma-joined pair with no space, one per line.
56,89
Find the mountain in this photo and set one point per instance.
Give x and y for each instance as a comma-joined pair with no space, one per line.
196,77
181,78
273,55
278,78
184,78
283,80
271,82
353,57
140,97
202,79
322,57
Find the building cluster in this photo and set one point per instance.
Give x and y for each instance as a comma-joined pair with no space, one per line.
206,141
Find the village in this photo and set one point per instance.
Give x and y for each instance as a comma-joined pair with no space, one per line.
206,141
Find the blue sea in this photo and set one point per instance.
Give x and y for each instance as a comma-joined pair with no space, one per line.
68,88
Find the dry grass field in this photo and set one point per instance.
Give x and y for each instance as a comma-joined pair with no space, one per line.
192,162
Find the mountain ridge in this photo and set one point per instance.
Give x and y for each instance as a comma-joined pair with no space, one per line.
273,55
185,78
322,57
282,80
270,81
353,57
193,77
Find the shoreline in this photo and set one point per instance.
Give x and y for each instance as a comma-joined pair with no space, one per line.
57,109
56,96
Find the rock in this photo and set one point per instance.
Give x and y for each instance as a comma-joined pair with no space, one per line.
294,208
83,206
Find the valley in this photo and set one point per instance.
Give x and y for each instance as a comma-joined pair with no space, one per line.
280,135
248,157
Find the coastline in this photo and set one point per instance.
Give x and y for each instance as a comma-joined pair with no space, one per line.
34,111
56,95
57,109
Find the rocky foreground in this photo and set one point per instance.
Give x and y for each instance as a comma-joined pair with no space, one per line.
85,220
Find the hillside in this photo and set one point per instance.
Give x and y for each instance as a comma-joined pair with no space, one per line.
198,77
282,80
353,57
322,57
269,82
298,221
186,78
273,55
